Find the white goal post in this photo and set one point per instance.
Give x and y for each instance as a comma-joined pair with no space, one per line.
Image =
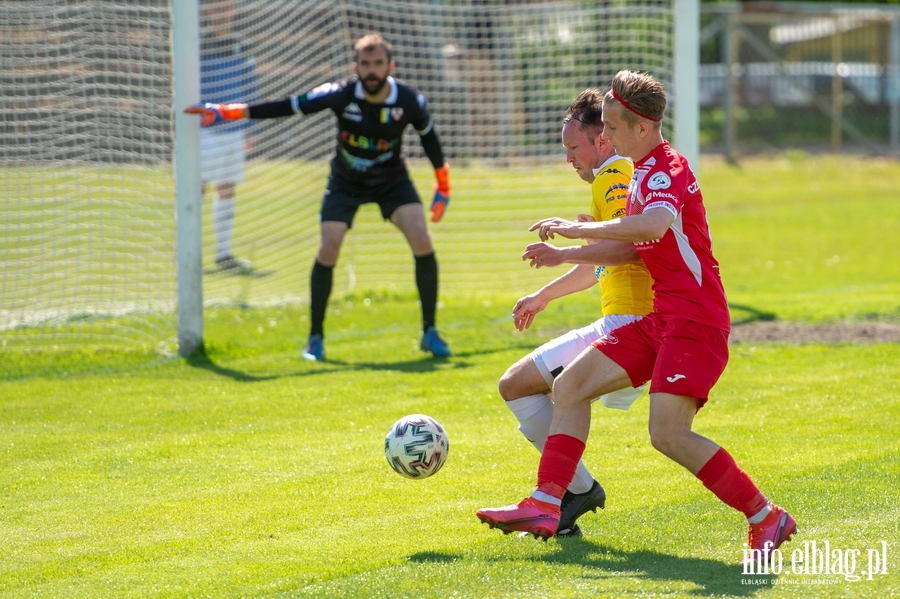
188,200
100,150
686,79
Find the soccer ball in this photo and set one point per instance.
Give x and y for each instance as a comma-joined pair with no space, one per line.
416,446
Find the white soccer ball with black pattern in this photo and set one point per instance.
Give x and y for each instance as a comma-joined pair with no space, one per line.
416,446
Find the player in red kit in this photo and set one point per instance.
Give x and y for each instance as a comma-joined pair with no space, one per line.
681,347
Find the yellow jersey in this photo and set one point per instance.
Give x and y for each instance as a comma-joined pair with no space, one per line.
625,289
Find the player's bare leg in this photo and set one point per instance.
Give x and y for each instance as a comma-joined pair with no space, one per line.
331,237
527,395
591,374
521,379
671,418
410,219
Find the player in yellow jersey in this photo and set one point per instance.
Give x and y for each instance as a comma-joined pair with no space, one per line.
626,295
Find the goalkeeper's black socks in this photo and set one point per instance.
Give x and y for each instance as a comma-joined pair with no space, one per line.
427,282
322,277
320,281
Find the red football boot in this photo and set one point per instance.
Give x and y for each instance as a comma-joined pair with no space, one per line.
530,515
777,527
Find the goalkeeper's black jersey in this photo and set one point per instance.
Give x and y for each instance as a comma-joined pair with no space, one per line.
370,136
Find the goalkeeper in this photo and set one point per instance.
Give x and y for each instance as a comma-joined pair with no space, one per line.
372,109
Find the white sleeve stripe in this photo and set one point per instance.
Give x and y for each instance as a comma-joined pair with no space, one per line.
665,205
427,128
295,104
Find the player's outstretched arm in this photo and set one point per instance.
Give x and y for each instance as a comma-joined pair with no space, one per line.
543,254
441,193
601,252
548,228
651,224
217,113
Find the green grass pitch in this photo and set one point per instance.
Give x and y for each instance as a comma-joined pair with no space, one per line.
250,473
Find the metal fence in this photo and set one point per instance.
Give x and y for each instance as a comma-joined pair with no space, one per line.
782,75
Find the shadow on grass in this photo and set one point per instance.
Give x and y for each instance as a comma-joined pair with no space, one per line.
200,360
424,364
434,557
712,578
248,273
742,314
458,361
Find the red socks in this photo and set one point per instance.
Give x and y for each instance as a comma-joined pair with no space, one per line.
558,463
720,474
733,486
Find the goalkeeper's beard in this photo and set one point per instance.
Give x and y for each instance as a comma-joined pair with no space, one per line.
377,83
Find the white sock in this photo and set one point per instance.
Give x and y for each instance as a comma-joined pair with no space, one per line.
223,222
760,515
534,413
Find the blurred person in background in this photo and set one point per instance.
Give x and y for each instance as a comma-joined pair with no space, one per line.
227,74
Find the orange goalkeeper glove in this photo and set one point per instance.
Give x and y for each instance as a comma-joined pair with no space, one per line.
216,113
441,193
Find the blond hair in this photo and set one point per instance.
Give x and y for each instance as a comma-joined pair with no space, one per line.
640,94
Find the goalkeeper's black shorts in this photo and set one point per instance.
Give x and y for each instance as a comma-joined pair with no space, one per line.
343,199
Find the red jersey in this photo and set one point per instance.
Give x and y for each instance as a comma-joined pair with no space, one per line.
686,276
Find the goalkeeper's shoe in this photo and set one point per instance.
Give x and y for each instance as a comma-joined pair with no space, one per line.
777,527
315,349
531,516
432,342
575,506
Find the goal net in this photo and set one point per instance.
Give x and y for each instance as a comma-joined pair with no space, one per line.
86,178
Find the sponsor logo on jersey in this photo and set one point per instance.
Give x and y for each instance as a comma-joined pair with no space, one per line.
362,164
661,195
618,213
659,181
645,245
353,113
391,114
693,187
367,143
613,188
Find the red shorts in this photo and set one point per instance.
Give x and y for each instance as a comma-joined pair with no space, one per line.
678,356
